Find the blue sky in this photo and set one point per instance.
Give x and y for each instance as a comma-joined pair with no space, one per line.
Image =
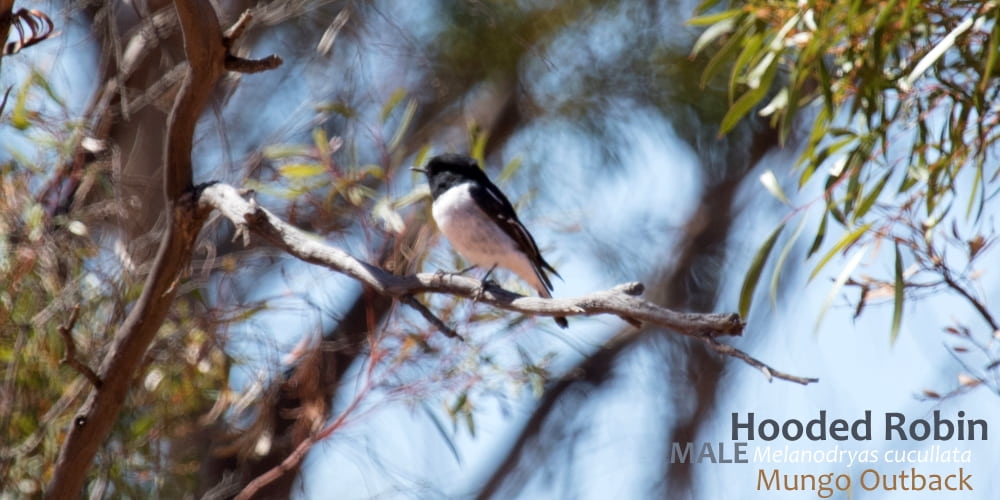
599,230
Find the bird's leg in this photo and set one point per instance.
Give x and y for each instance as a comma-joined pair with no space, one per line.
486,277
485,282
463,271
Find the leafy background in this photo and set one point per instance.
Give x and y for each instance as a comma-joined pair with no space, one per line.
825,168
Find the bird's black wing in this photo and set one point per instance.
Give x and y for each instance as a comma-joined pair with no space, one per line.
499,208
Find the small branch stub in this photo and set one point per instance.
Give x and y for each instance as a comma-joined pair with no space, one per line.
66,330
240,64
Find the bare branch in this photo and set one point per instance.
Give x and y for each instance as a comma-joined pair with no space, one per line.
621,300
961,290
769,372
66,330
430,317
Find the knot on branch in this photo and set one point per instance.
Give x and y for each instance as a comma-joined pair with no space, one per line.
241,64
633,288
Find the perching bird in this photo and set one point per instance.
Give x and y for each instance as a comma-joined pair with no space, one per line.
481,223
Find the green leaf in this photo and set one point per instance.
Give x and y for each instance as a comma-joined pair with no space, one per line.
42,82
338,107
751,50
322,143
820,234
470,423
711,34
722,56
839,282
977,185
706,5
479,146
19,115
844,242
301,170
780,263
714,18
869,200
991,58
278,151
748,100
418,161
753,274
770,183
404,123
740,108
897,305
509,170
391,103
440,428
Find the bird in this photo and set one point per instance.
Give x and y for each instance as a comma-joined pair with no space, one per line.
481,224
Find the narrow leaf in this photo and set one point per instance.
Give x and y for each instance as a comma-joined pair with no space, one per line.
753,274
770,182
869,200
300,170
934,54
322,143
391,103
897,306
780,263
839,282
278,151
439,426
404,123
714,18
844,242
711,34
719,60
820,234
740,108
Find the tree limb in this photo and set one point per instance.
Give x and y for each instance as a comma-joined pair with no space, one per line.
621,300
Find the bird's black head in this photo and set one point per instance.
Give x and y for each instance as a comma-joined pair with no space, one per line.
448,170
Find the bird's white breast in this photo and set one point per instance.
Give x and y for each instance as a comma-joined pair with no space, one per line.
476,237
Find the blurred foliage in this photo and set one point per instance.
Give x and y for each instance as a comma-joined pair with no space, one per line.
490,70
48,267
901,96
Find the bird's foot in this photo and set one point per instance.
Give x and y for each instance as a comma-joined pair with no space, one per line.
485,283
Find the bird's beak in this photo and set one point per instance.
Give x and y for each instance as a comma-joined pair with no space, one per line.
418,169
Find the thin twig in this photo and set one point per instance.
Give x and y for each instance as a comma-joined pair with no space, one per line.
983,311
769,372
66,330
294,459
430,317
